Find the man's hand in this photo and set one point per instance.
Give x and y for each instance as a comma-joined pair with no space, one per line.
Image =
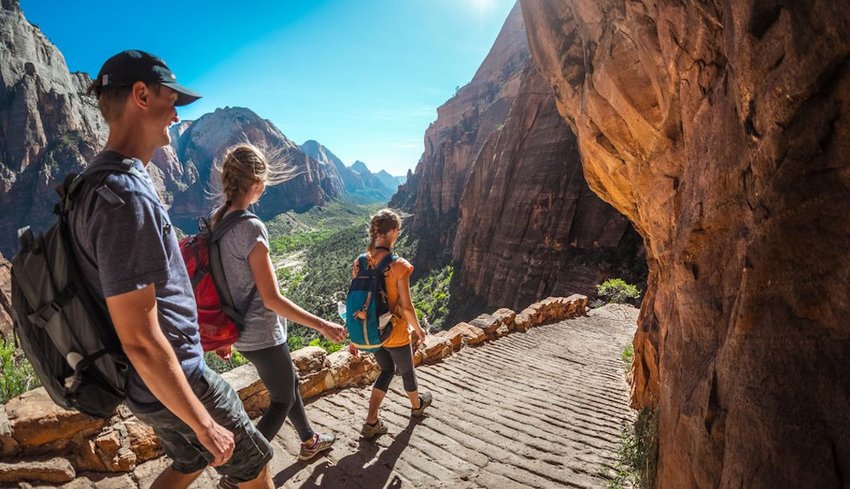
135,317
218,441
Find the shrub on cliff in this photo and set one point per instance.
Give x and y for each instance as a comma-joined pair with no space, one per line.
16,373
617,291
219,365
430,296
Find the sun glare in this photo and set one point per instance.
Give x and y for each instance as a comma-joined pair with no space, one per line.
482,5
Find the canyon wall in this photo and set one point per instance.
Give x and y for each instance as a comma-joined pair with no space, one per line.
499,190
720,129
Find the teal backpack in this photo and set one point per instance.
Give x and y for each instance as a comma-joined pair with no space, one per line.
367,311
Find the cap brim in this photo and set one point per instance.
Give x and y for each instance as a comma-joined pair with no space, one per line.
184,95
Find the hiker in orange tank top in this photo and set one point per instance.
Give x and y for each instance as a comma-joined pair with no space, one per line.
397,350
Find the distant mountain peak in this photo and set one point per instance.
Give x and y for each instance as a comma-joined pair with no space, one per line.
360,167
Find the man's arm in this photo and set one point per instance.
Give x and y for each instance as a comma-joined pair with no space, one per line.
135,317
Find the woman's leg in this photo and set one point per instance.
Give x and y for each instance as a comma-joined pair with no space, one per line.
278,374
382,383
402,356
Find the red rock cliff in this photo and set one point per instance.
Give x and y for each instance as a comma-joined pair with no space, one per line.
721,130
500,189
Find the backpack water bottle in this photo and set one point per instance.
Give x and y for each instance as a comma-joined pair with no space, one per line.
367,311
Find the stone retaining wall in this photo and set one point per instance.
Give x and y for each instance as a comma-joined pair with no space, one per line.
39,441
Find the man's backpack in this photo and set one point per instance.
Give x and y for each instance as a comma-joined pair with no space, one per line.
63,328
367,311
219,320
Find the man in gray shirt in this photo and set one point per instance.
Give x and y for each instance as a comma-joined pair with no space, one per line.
130,255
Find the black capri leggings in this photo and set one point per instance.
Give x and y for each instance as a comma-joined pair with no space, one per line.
390,358
278,374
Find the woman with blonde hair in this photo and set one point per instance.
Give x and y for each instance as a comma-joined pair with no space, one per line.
396,352
245,172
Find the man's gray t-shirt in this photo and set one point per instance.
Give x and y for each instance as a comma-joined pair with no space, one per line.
263,327
128,247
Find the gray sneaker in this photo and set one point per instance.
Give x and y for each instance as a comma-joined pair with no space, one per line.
373,430
323,442
425,399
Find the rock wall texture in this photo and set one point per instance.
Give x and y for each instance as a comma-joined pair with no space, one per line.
499,189
720,129
47,127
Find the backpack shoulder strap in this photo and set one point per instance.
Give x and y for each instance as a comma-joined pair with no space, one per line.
385,262
362,265
94,177
228,305
228,221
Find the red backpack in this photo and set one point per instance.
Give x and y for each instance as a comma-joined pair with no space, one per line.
219,321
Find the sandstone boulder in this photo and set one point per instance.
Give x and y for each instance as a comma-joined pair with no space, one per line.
39,424
506,316
489,324
55,470
142,441
467,334
348,370
8,444
436,348
314,370
245,380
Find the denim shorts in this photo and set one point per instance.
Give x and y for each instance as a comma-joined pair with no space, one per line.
252,451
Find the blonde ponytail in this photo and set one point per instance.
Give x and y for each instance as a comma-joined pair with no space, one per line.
243,166
384,221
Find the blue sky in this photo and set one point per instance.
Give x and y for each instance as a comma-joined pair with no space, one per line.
362,77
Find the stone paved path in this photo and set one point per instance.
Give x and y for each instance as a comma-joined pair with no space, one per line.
539,409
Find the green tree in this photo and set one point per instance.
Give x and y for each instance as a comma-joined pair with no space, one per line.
617,291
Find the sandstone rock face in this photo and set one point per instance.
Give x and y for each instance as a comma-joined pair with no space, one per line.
500,189
47,126
720,129
455,138
527,216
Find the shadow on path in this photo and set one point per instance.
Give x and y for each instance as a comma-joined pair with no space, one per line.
361,469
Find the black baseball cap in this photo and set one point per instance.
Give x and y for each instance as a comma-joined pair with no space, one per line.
128,67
